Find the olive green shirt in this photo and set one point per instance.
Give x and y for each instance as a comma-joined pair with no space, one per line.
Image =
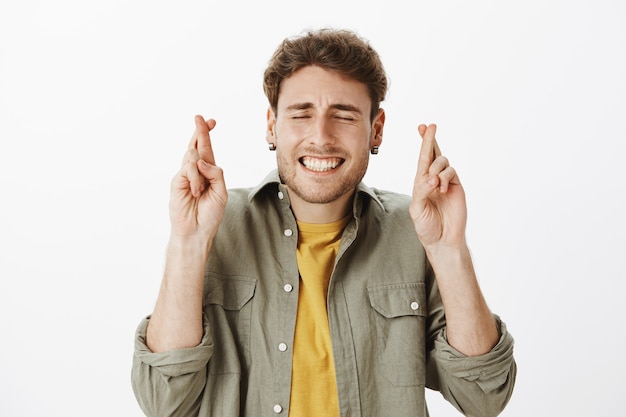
386,318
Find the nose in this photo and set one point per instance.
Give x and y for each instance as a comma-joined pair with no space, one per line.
321,132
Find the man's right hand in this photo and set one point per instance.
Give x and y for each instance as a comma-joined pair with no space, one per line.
197,202
198,192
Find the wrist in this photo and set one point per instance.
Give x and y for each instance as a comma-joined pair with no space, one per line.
450,262
191,246
448,252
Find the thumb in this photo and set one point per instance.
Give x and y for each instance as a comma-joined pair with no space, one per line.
423,186
215,177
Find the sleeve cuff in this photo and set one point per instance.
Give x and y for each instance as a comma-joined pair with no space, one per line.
175,362
490,371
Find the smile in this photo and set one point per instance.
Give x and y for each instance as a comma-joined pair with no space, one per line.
320,164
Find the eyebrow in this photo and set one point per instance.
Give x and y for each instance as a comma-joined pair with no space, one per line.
338,106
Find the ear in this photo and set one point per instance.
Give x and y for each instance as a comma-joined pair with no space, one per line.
270,134
377,128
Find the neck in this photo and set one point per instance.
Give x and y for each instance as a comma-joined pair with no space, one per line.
320,213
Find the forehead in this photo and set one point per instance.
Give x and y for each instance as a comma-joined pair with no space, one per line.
322,87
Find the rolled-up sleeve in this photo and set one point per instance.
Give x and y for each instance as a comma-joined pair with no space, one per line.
478,385
169,383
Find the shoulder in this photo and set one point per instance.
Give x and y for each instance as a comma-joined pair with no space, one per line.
251,205
386,203
246,197
391,200
387,211
238,197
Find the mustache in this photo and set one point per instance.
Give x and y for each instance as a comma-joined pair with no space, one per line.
322,151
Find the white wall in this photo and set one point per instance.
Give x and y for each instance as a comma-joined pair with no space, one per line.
96,107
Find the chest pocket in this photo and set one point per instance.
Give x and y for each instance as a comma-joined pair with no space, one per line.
399,320
228,307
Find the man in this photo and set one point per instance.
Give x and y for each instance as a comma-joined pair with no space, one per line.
312,294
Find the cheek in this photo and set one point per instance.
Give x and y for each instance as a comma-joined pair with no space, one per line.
288,134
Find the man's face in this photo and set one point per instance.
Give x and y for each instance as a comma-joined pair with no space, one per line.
323,134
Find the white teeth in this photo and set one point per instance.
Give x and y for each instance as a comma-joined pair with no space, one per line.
320,165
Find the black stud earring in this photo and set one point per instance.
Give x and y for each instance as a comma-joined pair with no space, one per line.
272,146
374,150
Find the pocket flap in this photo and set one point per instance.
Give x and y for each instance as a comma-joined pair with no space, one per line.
396,300
231,292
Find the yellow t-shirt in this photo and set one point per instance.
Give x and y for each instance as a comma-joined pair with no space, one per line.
313,381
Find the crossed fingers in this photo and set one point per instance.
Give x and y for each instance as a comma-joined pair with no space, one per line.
432,165
199,151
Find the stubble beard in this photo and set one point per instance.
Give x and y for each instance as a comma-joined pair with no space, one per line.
322,190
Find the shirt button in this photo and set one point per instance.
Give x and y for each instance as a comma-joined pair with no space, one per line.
281,195
282,347
288,232
415,306
278,409
288,288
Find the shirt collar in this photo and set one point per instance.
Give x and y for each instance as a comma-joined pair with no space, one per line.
273,178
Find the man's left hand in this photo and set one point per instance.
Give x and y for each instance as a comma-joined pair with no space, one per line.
438,207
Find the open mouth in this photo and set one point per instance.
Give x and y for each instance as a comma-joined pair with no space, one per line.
321,164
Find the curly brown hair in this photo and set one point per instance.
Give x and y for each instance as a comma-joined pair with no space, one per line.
333,49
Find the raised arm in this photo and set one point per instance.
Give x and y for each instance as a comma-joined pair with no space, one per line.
197,202
439,213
